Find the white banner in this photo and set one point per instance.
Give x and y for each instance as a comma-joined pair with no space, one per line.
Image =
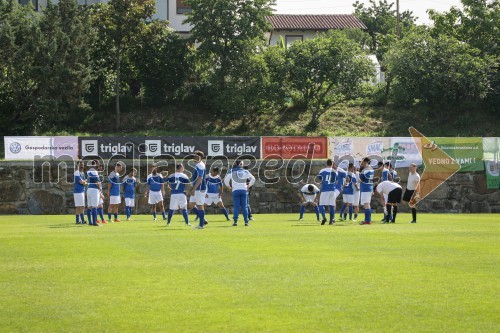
48,147
405,151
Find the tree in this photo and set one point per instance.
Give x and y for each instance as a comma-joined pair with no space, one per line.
121,22
19,39
62,66
326,70
227,31
439,70
160,57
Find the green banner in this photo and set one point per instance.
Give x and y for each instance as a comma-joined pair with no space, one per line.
491,147
468,152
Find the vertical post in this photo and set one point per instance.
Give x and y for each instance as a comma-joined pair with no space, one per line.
398,22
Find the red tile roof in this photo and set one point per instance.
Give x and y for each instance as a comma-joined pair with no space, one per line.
314,22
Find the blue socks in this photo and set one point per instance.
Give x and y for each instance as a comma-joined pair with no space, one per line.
94,216
342,209
185,215
351,210
332,213
201,214
109,216
316,210
101,213
77,219
368,215
224,211
116,216
89,218
322,211
302,210
163,214
170,213
154,215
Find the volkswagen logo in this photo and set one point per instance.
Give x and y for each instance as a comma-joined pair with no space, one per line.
15,147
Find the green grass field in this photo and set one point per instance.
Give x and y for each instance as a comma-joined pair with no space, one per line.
279,275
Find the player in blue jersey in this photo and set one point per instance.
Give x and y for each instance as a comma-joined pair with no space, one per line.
366,175
339,186
177,183
79,193
329,192
350,187
155,192
237,180
214,191
197,198
385,175
114,192
129,183
100,207
309,195
393,174
93,191
357,194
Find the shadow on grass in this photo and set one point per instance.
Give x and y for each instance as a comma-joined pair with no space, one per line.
65,225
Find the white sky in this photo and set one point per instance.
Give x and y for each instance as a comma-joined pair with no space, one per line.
419,7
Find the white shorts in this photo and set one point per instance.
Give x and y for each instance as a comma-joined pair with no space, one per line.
349,198
212,198
178,201
129,202
155,197
366,197
115,200
344,197
356,197
309,198
328,198
93,196
198,197
79,199
101,200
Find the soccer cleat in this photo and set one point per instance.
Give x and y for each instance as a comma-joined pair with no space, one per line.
235,224
413,221
109,221
341,219
228,220
354,220
364,222
199,227
196,219
251,219
301,219
154,219
323,221
168,224
104,222
247,224
95,225
189,224
116,220
331,222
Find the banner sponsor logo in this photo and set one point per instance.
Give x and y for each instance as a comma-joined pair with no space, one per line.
468,152
215,148
15,147
295,147
45,147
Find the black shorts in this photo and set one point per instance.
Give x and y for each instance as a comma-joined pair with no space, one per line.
395,196
408,195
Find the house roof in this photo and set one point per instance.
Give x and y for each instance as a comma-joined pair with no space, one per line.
315,22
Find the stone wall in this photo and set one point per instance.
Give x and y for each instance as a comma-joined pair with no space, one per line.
28,190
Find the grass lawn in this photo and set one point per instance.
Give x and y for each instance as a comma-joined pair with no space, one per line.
439,275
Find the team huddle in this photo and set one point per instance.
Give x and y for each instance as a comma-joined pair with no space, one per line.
205,190
357,186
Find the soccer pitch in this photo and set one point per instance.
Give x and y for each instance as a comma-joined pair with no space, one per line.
278,275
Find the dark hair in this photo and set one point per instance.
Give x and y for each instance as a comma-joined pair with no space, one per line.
329,162
132,171
380,163
387,164
237,163
178,166
216,169
199,153
310,188
366,159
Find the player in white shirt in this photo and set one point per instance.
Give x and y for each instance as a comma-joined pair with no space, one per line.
412,193
237,180
310,195
390,195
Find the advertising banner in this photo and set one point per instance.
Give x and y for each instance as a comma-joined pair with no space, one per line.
404,151
466,151
295,147
45,147
178,147
491,151
345,150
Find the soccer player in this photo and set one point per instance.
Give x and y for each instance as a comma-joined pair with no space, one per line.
100,207
339,186
79,193
177,183
215,190
309,195
390,195
129,183
412,191
356,195
393,174
350,187
197,198
328,178
366,188
250,215
93,192
114,192
155,192
385,175
236,179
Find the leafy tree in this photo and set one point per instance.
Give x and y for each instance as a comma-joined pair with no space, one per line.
439,70
161,60
325,71
19,39
227,31
121,22
62,67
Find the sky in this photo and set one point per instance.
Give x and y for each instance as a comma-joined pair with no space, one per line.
419,7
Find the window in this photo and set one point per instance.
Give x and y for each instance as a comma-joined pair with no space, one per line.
290,39
183,7
26,2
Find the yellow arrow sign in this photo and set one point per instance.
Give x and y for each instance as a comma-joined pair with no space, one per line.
439,166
